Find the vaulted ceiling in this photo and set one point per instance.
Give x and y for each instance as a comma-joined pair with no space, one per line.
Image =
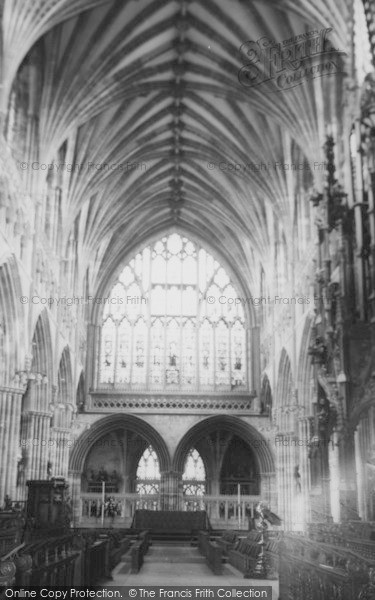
151,88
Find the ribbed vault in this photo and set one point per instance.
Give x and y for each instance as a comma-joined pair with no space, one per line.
108,424
233,425
154,84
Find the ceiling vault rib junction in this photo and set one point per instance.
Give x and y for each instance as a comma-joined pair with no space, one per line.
146,98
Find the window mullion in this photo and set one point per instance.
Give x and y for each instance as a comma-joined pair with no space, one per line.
181,345
148,347
149,320
158,259
229,328
116,352
197,326
214,327
180,350
98,357
131,352
165,325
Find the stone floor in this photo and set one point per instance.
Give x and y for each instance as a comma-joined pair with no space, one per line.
181,565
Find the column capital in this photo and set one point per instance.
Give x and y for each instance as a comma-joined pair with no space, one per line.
17,391
38,413
170,473
73,473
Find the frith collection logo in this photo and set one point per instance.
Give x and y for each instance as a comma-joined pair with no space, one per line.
278,67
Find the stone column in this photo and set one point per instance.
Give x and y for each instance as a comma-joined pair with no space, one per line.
255,364
304,465
75,495
36,437
10,450
348,491
268,490
171,490
361,475
284,477
59,451
39,423
93,332
334,469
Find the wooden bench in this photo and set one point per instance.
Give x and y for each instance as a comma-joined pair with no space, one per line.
316,569
119,544
53,561
212,551
138,551
245,552
272,557
228,540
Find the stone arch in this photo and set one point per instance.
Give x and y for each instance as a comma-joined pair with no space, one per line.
105,426
64,406
80,393
113,328
36,404
213,437
305,367
12,375
284,380
266,399
42,351
65,379
234,425
127,253
40,365
361,428
284,394
11,321
289,496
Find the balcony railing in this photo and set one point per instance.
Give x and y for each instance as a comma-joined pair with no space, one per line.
223,511
113,400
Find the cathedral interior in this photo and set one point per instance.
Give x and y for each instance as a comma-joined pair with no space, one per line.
187,285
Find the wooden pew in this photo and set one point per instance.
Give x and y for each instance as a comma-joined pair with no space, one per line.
316,569
212,551
138,551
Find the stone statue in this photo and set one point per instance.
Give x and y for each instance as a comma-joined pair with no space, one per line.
21,466
297,479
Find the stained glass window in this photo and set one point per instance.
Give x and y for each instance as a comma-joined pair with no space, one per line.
173,321
148,473
194,475
108,350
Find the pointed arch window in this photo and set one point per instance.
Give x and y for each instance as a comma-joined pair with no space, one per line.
194,475
171,323
148,473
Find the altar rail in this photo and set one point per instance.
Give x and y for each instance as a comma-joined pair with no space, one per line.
223,511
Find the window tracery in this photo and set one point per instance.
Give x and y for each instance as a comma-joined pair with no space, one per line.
171,323
148,473
194,475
